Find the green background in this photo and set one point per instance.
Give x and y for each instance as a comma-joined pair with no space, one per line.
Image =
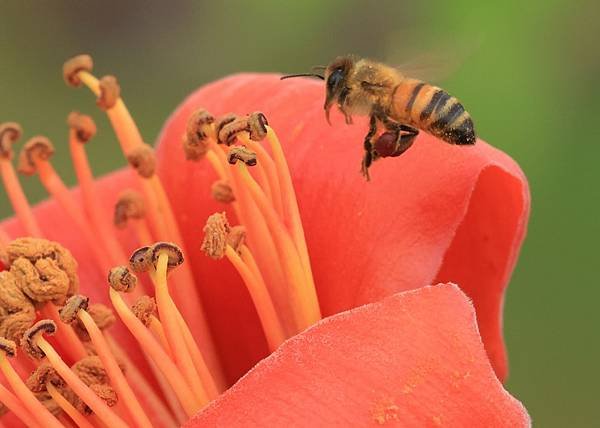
528,74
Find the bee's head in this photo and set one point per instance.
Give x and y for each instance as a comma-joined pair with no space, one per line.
336,76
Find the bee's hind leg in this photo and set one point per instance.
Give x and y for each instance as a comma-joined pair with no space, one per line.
397,138
370,154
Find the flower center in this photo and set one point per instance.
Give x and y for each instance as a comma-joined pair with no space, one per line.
82,374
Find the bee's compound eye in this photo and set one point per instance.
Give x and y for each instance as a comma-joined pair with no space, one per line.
335,78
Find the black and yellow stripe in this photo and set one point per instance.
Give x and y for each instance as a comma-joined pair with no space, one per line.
432,109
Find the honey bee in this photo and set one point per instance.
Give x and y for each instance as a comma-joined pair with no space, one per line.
401,105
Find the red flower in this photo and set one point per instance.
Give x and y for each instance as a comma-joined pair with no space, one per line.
437,213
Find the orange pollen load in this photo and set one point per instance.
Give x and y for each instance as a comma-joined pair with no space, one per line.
81,375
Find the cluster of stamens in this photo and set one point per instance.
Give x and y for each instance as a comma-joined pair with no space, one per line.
81,374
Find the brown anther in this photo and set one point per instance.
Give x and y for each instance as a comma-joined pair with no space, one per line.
83,125
143,160
236,237
194,150
34,249
12,298
216,231
141,260
68,313
241,153
46,399
90,370
228,132
144,308
106,393
38,148
42,280
130,205
222,192
41,376
10,133
102,315
174,252
220,122
73,66
30,337
257,126
110,92
13,326
8,347
121,279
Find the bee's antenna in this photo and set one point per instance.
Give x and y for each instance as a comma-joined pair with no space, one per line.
303,75
319,67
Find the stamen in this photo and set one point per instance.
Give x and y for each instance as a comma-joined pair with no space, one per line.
35,408
241,153
110,92
14,405
76,307
10,132
68,408
37,347
130,205
222,192
142,159
73,66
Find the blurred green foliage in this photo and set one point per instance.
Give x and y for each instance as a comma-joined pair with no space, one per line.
530,81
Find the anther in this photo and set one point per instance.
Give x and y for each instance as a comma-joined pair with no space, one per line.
29,342
236,237
106,393
257,126
42,375
142,159
68,313
241,153
83,125
10,133
227,132
144,308
8,347
216,231
110,92
121,279
141,260
173,251
222,192
224,120
90,370
38,148
130,205
41,281
195,144
73,66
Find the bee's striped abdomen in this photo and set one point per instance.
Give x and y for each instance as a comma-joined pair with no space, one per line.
432,109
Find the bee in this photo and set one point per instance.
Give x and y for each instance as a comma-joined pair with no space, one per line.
400,104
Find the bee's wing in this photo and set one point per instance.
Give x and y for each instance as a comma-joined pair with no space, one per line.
435,65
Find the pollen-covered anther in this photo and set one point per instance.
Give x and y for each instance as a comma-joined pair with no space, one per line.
38,148
10,133
30,337
110,92
141,259
121,279
236,237
17,312
73,66
75,303
241,153
221,191
143,160
83,125
90,370
8,347
41,376
216,231
228,131
172,250
144,308
34,249
130,205
257,126
199,127
42,281
106,393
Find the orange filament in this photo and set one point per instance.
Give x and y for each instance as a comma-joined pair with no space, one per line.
66,336
29,401
158,331
15,405
114,372
261,298
153,349
168,314
18,199
99,407
68,408
91,201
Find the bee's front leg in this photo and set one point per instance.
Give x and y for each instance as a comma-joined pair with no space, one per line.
369,155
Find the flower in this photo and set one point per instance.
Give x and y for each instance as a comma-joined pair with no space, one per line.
436,214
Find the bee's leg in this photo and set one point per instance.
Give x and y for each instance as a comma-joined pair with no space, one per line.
398,138
368,157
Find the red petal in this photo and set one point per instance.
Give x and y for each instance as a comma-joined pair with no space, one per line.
414,359
438,211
